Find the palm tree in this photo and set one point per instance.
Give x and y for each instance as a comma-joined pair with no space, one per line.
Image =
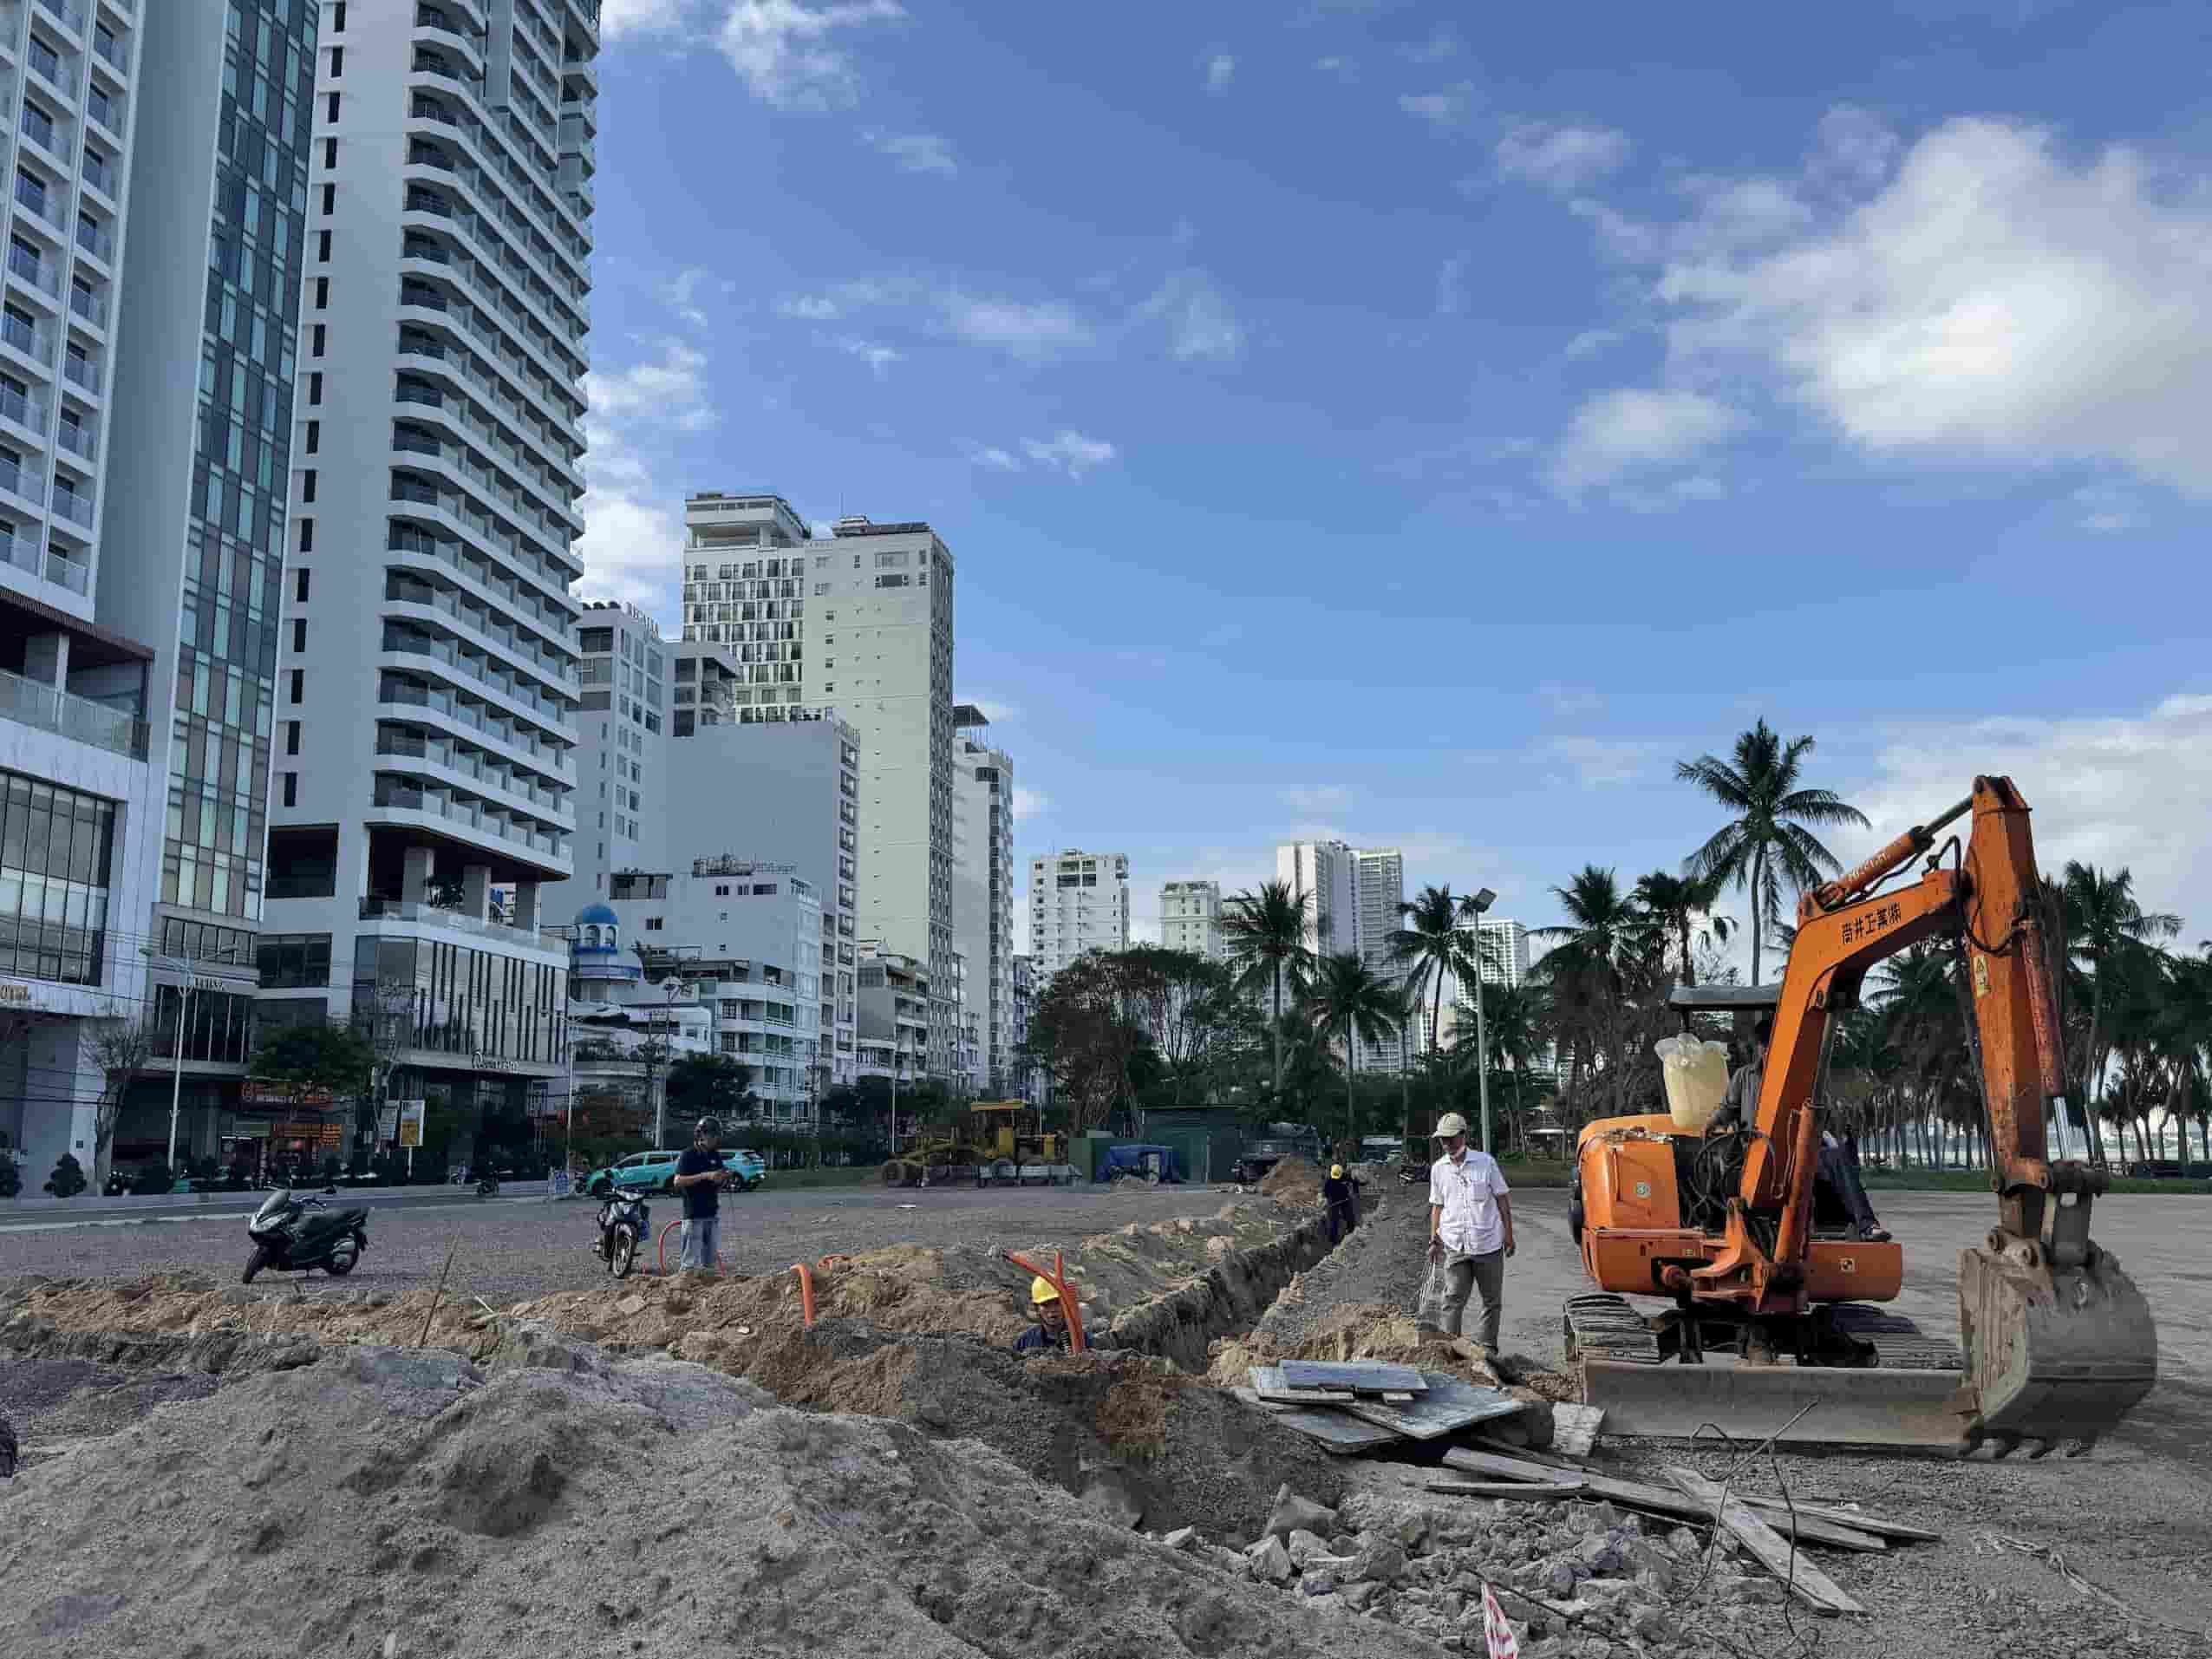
1606,933
1432,949
2104,919
1512,1031
1349,1003
1675,903
1265,933
1767,839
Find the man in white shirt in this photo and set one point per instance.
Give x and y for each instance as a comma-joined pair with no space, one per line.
1471,1229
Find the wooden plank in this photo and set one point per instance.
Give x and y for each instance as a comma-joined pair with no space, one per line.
1524,1491
1368,1376
1574,1428
1660,1500
1790,1566
1449,1405
1333,1430
1253,1399
1849,1517
1267,1382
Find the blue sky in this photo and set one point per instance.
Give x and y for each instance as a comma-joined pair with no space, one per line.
1426,425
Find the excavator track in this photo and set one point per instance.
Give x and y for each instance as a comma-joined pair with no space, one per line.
1899,1344
1601,1326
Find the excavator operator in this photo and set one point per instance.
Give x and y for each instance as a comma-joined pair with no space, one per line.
1838,1187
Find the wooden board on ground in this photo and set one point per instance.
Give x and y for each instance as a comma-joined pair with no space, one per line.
1366,1376
1330,1428
1253,1399
1662,1500
1447,1405
1527,1492
1268,1383
1574,1428
1849,1517
1790,1566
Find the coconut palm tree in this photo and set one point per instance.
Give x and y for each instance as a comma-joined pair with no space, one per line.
1349,1003
1675,904
1605,936
1767,839
1265,933
1512,1040
2103,918
1433,949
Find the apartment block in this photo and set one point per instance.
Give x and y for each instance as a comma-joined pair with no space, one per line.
148,352
622,754
859,625
429,696
1079,901
982,893
1355,897
896,1015
1190,919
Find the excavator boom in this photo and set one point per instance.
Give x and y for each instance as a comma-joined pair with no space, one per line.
2057,1342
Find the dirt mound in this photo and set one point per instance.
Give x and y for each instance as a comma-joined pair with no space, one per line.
1294,1181
410,1505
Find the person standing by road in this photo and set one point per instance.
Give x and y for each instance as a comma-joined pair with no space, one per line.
699,1174
1471,1229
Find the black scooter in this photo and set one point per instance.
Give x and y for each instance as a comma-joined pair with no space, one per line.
293,1233
625,1220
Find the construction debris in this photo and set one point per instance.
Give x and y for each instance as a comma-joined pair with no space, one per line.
1780,1558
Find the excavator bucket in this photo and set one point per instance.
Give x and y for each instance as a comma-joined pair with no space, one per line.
1903,1409
2054,1354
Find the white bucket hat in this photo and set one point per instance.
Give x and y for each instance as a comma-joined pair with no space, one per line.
1449,1124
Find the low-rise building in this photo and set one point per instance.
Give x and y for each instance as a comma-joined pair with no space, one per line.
894,1015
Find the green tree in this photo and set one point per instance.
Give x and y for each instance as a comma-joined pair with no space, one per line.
329,1057
1265,932
2103,918
1431,947
1512,1029
1676,905
1767,839
1082,1034
67,1179
1604,941
1349,1004
710,1086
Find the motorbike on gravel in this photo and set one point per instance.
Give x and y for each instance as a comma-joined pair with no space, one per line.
625,1220
293,1233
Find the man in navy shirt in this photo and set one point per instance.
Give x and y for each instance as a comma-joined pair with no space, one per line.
699,1174
1049,1334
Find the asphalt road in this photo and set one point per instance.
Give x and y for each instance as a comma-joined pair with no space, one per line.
512,1248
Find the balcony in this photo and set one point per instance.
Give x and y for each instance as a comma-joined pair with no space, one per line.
92,307
75,505
70,13
395,910
29,703
23,485
484,820
41,274
19,548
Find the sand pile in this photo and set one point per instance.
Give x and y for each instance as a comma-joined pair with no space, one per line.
1294,1181
405,1503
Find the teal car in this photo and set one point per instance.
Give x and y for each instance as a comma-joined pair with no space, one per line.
651,1172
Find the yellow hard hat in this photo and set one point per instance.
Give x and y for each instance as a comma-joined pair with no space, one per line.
1042,1290
1336,1172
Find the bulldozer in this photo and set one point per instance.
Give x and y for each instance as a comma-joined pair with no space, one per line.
1775,1326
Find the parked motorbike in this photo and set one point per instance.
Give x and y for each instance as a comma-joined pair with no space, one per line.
293,1233
486,1185
625,1220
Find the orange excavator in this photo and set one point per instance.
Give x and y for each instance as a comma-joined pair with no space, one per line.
1774,1324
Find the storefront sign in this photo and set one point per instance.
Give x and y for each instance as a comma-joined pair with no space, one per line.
411,1122
256,1091
387,1123
11,991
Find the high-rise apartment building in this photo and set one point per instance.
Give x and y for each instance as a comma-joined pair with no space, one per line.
982,890
622,757
1190,919
1079,901
1354,898
859,625
427,690
148,349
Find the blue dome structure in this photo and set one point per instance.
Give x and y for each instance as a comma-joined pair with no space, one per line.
596,953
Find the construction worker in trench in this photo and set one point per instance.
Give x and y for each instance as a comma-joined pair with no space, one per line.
1049,1334
1341,1195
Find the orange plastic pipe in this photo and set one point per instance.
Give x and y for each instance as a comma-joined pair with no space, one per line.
1059,1279
665,1231
806,1293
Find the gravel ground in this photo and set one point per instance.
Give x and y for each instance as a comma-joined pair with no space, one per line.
514,1249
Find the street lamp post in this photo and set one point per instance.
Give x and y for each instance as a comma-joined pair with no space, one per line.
1480,903
182,967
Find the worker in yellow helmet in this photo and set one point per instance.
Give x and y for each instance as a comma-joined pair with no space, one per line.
1049,1334
1341,1195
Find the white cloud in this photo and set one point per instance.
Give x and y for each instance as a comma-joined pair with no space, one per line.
879,358
1029,803
1560,156
992,710
1200,323
631,543
1221,68
915,152
812,308
621,18
2106,510
992,456
1569,700
1852,146
1032,332
1599,762
1448,106
1319,797
1990,298
1069,452
782,49
1343,68
1452,285
1591,342
1440,45
2131,790
1633,430
684,292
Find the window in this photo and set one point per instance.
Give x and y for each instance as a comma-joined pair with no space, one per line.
329,153
291,789
306,541
299,583
332,116
298,693
323,246
321,293
315,380
330,200
314,436
338,17
299,634
307,486
653,924
337,63
291,736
